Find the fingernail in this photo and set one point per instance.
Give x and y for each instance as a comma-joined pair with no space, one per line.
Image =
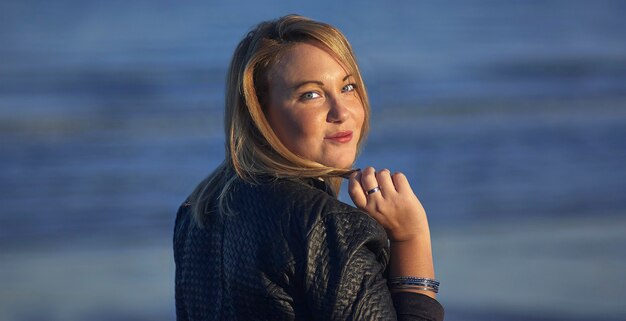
347,175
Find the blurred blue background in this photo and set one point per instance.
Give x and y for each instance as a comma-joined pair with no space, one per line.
509,117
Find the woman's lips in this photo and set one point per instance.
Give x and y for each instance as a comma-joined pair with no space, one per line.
340,137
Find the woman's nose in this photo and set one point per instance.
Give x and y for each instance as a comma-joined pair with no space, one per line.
339,110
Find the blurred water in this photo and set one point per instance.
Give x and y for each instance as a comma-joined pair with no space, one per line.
110,112
113,109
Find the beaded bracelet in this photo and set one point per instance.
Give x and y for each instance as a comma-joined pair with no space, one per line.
414,283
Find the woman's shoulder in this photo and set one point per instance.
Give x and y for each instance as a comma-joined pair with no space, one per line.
308,203
299,195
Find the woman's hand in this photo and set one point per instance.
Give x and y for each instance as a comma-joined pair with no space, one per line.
394,206
398,210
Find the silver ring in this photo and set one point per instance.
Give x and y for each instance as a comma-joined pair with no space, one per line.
373,190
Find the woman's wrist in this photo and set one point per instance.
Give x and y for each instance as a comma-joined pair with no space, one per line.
415,242
412,258
420,233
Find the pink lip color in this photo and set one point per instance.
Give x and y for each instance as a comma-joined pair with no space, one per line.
340,137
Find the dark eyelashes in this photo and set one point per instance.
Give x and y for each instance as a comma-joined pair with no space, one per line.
351,85
345,89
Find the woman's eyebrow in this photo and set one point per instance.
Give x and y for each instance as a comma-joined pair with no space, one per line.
306,82
316,82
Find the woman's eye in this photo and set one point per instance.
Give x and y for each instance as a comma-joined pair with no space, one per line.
310,95
348,88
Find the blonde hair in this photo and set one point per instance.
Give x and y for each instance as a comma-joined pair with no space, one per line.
252,147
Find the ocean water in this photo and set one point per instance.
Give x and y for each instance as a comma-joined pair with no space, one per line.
110,112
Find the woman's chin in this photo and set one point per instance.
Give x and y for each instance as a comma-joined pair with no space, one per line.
344,162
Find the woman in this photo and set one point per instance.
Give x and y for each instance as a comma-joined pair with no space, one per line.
264,236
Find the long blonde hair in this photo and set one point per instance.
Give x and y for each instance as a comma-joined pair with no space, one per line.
252,147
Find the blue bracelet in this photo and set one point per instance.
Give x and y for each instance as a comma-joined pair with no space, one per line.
415,283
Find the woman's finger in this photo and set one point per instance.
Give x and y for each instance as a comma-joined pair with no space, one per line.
355,190
370,183
401,183
385,182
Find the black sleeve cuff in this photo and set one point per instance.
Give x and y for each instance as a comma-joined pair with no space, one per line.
415,306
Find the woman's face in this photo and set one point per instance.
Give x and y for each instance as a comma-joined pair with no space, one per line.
314,107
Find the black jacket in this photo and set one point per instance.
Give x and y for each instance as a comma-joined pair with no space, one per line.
289,251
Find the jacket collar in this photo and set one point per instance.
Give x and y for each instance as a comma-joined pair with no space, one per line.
319,184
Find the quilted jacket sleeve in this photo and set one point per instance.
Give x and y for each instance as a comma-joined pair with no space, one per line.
346,256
